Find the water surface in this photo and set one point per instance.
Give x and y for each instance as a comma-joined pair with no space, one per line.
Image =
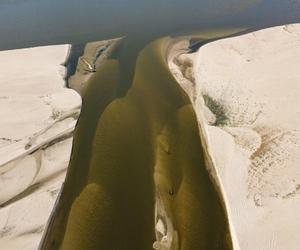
25,23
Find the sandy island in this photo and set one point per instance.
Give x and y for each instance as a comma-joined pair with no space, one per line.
246,90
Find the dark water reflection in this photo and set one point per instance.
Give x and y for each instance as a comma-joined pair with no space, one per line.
25,23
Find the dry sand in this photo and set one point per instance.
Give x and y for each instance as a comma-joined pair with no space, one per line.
37,115
246,90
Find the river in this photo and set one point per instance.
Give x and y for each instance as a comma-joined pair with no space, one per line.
25,23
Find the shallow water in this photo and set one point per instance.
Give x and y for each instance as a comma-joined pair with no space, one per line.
126,150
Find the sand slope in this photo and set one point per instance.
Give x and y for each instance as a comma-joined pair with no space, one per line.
247,90
37,117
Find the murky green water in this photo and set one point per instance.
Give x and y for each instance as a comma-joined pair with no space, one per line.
127,148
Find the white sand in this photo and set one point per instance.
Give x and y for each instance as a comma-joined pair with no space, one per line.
251,88
35,109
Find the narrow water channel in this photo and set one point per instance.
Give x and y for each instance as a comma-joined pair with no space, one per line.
134,152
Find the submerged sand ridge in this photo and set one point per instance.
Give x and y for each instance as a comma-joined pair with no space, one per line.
135,149
246,89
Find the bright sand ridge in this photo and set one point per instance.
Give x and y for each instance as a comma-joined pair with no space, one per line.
247,90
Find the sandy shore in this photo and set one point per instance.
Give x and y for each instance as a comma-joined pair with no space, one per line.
247,90
38,115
